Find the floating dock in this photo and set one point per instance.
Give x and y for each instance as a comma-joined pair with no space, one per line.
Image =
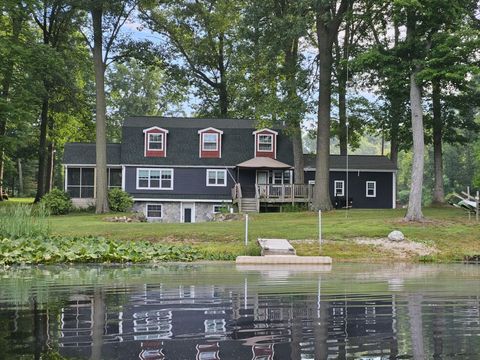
280,251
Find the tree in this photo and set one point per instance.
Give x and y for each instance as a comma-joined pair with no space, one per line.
203,34
423,22
55,19
135,88
108,16
16,16
329,15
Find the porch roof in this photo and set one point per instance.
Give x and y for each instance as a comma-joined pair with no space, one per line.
263,163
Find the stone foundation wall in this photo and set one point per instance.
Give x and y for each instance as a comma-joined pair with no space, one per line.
171,211
83,203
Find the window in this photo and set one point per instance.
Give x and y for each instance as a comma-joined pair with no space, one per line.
161,179
339,186
81,182
219,208
114,178
216,177
155,141
154,211
209,142
279,177
371,189
265,143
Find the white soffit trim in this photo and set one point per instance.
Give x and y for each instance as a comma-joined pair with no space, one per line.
184,200
155,128
160,166
265,129
354,170
210,129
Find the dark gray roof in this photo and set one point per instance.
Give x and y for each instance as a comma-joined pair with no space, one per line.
186,122
355,162
84,153
183,141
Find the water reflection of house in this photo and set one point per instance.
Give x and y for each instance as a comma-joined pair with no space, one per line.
210,322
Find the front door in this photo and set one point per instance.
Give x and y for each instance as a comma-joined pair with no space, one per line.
262,182
188,215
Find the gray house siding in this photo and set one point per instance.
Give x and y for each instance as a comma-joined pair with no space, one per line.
357,187
188,183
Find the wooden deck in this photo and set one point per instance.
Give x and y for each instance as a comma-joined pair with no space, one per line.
277,194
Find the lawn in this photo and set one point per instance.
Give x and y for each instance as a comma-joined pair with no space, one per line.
447,229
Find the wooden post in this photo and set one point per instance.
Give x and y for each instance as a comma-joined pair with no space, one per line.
478,205
246,230
320,229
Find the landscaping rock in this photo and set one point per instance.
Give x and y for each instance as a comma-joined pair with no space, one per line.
396,236
135,218
227,217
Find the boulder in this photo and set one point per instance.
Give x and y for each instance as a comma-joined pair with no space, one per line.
396,235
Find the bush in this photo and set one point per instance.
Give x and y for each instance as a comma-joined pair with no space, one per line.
119,200
57,202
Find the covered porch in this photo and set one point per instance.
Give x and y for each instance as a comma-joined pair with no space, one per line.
266,181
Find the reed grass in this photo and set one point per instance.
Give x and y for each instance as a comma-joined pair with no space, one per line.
23,220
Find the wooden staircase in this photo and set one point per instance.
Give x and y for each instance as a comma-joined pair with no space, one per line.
249,205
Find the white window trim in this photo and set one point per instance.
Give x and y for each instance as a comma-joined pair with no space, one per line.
258,142
148,141
160,185
216,177
213,208
217,141
335,187
374,189
153,217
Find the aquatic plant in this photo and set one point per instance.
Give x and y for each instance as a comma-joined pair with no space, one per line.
88,249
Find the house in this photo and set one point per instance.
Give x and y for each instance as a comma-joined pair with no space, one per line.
187,169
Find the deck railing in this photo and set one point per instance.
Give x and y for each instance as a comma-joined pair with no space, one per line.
285,193
276,193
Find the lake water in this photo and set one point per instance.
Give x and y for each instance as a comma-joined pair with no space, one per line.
223,311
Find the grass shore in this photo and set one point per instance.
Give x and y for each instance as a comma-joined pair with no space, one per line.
446,230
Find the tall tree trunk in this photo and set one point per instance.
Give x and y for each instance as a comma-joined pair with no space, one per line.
438,192
222,86
414,211
42,150
50,167
321,194
293,115
101,139
342,78
17,22
342,111
20,177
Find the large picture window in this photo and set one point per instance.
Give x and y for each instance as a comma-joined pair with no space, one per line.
209,142
216,177
81,182
161,179
265,143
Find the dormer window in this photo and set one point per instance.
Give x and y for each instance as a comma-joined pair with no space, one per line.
155,142
265,143
210,143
